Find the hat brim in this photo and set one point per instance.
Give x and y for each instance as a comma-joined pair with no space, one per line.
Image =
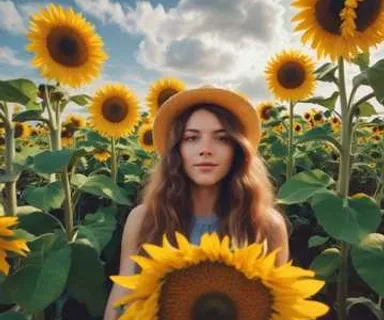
229,100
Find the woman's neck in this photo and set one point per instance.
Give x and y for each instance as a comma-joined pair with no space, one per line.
204,200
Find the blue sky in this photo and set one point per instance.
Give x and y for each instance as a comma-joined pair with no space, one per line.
202,42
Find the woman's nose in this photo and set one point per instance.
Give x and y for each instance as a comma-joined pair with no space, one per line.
206,146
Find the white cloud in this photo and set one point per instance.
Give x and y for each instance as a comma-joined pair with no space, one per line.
8,56
11,19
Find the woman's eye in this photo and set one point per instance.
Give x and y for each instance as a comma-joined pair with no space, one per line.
223,138
190,139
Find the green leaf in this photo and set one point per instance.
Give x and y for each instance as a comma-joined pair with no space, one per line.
12,315
368,259
366,110
316,241
78,179
360,79
279,149
55,161
373,307
81,99
103,186
18,91
326,263
38,223
86,277
375,76
326,72
362,60
98,228
42,278
29,115
328,103
303,185
349,220
129,168
50,196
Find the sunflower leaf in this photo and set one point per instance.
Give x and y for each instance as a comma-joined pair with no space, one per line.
375,76
326,263
103,186
326,72
368,303
50,196
81,99
43,275
303,186
349,220
328,103
12,315
362,60
86,277
366,110
21,91
368,260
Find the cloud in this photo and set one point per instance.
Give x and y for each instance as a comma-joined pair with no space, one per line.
11,19
8,56
206,39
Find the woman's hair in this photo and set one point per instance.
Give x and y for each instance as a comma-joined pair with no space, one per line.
245,198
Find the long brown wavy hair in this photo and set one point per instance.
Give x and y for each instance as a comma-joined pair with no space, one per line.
246,196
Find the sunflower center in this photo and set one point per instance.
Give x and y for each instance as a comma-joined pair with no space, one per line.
147,138
114,110
291,75
214,306
213,291
266,112
164,95
327,14
67,47
19,130
367,12
317,117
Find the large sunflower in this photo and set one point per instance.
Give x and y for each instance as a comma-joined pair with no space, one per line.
114,111
340,28
18,246
161,91
212,281
290,75
65,45
145,137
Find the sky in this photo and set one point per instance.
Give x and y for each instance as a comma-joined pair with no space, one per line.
223,43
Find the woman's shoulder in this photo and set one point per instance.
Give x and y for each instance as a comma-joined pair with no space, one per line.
136,216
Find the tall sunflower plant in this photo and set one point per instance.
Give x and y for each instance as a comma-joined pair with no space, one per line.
343,31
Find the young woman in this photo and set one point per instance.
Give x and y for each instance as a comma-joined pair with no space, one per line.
210,179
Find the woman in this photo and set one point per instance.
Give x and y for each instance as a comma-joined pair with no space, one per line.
210,179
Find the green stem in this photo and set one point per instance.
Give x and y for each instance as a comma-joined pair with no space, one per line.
378,196
10,186
343,189
68,209
113,160
290,162
353,109
379,302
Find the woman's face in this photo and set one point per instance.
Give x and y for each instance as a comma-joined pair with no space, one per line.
206,149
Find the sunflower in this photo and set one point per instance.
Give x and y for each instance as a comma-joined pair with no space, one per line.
341,28
221,282
290,75
65,45
7,244
161,91
102,156
264,108
114,111
75,120
298,128
307,116
318,117
67,136
145,137
22,130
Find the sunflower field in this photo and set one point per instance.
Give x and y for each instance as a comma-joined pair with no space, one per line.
69,182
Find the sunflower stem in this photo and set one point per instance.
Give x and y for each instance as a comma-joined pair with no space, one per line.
290,162
379,302
10,186
68,209
113,160
343,188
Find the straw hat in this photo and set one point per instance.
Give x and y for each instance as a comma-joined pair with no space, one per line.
229,100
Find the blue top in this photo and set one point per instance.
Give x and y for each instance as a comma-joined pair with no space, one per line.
201,225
